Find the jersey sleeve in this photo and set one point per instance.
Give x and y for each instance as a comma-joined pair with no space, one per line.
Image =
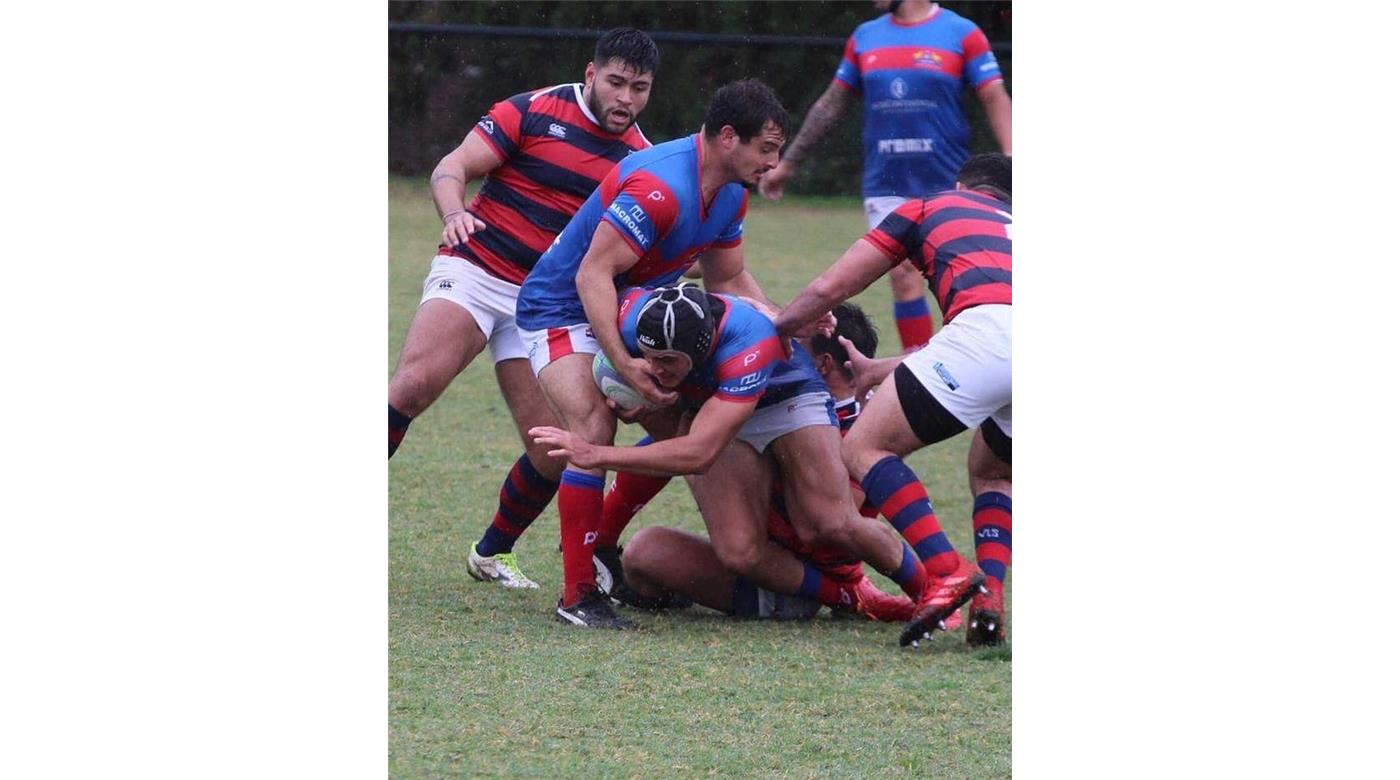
898,234
848,72
643,211
501,127
980,64
733,235
746,365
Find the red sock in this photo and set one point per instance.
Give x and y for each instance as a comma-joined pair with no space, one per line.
580,507
914,322
628,494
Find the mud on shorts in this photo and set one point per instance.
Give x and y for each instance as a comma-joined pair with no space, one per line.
490,301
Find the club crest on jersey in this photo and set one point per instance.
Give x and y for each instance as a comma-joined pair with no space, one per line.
556,130
899,88
927,58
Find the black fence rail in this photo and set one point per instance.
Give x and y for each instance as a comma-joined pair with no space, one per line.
444,73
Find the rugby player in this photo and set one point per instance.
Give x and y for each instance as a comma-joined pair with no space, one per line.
960,241
656,214
910,67
726,360
662,563
540,154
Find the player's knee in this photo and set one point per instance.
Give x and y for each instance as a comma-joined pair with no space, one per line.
641,556
413,389
980,486
740,558
824,527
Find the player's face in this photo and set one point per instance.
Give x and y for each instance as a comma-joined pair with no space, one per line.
616,93
670,368
749,161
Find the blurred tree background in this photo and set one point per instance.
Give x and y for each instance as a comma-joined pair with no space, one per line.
441,83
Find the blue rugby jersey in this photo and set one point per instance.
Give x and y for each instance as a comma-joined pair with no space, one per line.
652,199
746,358
911,77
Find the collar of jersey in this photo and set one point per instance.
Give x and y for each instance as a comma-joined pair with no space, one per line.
937,9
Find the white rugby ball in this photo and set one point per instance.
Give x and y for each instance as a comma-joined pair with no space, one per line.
614,386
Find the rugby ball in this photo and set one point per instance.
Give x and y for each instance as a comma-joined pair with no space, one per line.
614,386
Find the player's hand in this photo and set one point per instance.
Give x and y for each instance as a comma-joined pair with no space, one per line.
641,414
637,373
564,444
458,226
825,325
770,185
862,368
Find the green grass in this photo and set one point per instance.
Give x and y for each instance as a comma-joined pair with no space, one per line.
483,682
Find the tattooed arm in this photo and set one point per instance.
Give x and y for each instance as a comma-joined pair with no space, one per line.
820,118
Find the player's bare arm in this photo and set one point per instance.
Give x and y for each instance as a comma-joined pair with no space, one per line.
820,118
714,426
609,255
723,272
472,159
862,264
997,103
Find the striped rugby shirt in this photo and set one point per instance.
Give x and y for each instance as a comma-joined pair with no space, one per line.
960,241
554,155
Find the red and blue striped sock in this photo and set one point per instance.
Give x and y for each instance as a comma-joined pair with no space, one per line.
398,426
914,322
895,489
627,496
816,585
580,507
524,495
991,525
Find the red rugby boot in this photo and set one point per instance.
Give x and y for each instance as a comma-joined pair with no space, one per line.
879,605
941,598
987,617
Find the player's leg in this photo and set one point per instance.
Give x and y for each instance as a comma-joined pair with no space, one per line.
818,498
734,497
626,497
962,377
532,480
563,362
660,561
989,475
912,316
442,340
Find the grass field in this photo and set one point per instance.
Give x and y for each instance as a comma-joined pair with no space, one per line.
484,682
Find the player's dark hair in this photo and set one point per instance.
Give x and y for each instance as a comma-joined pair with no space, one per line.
635,48
746,106
990,172
853,323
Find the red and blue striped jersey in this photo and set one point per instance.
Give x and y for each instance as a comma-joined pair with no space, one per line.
911,76
554,154
652,199
960,241
746,358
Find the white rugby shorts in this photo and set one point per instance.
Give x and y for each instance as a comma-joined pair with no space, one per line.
800,411
489,300
546,346
967,366
876,209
